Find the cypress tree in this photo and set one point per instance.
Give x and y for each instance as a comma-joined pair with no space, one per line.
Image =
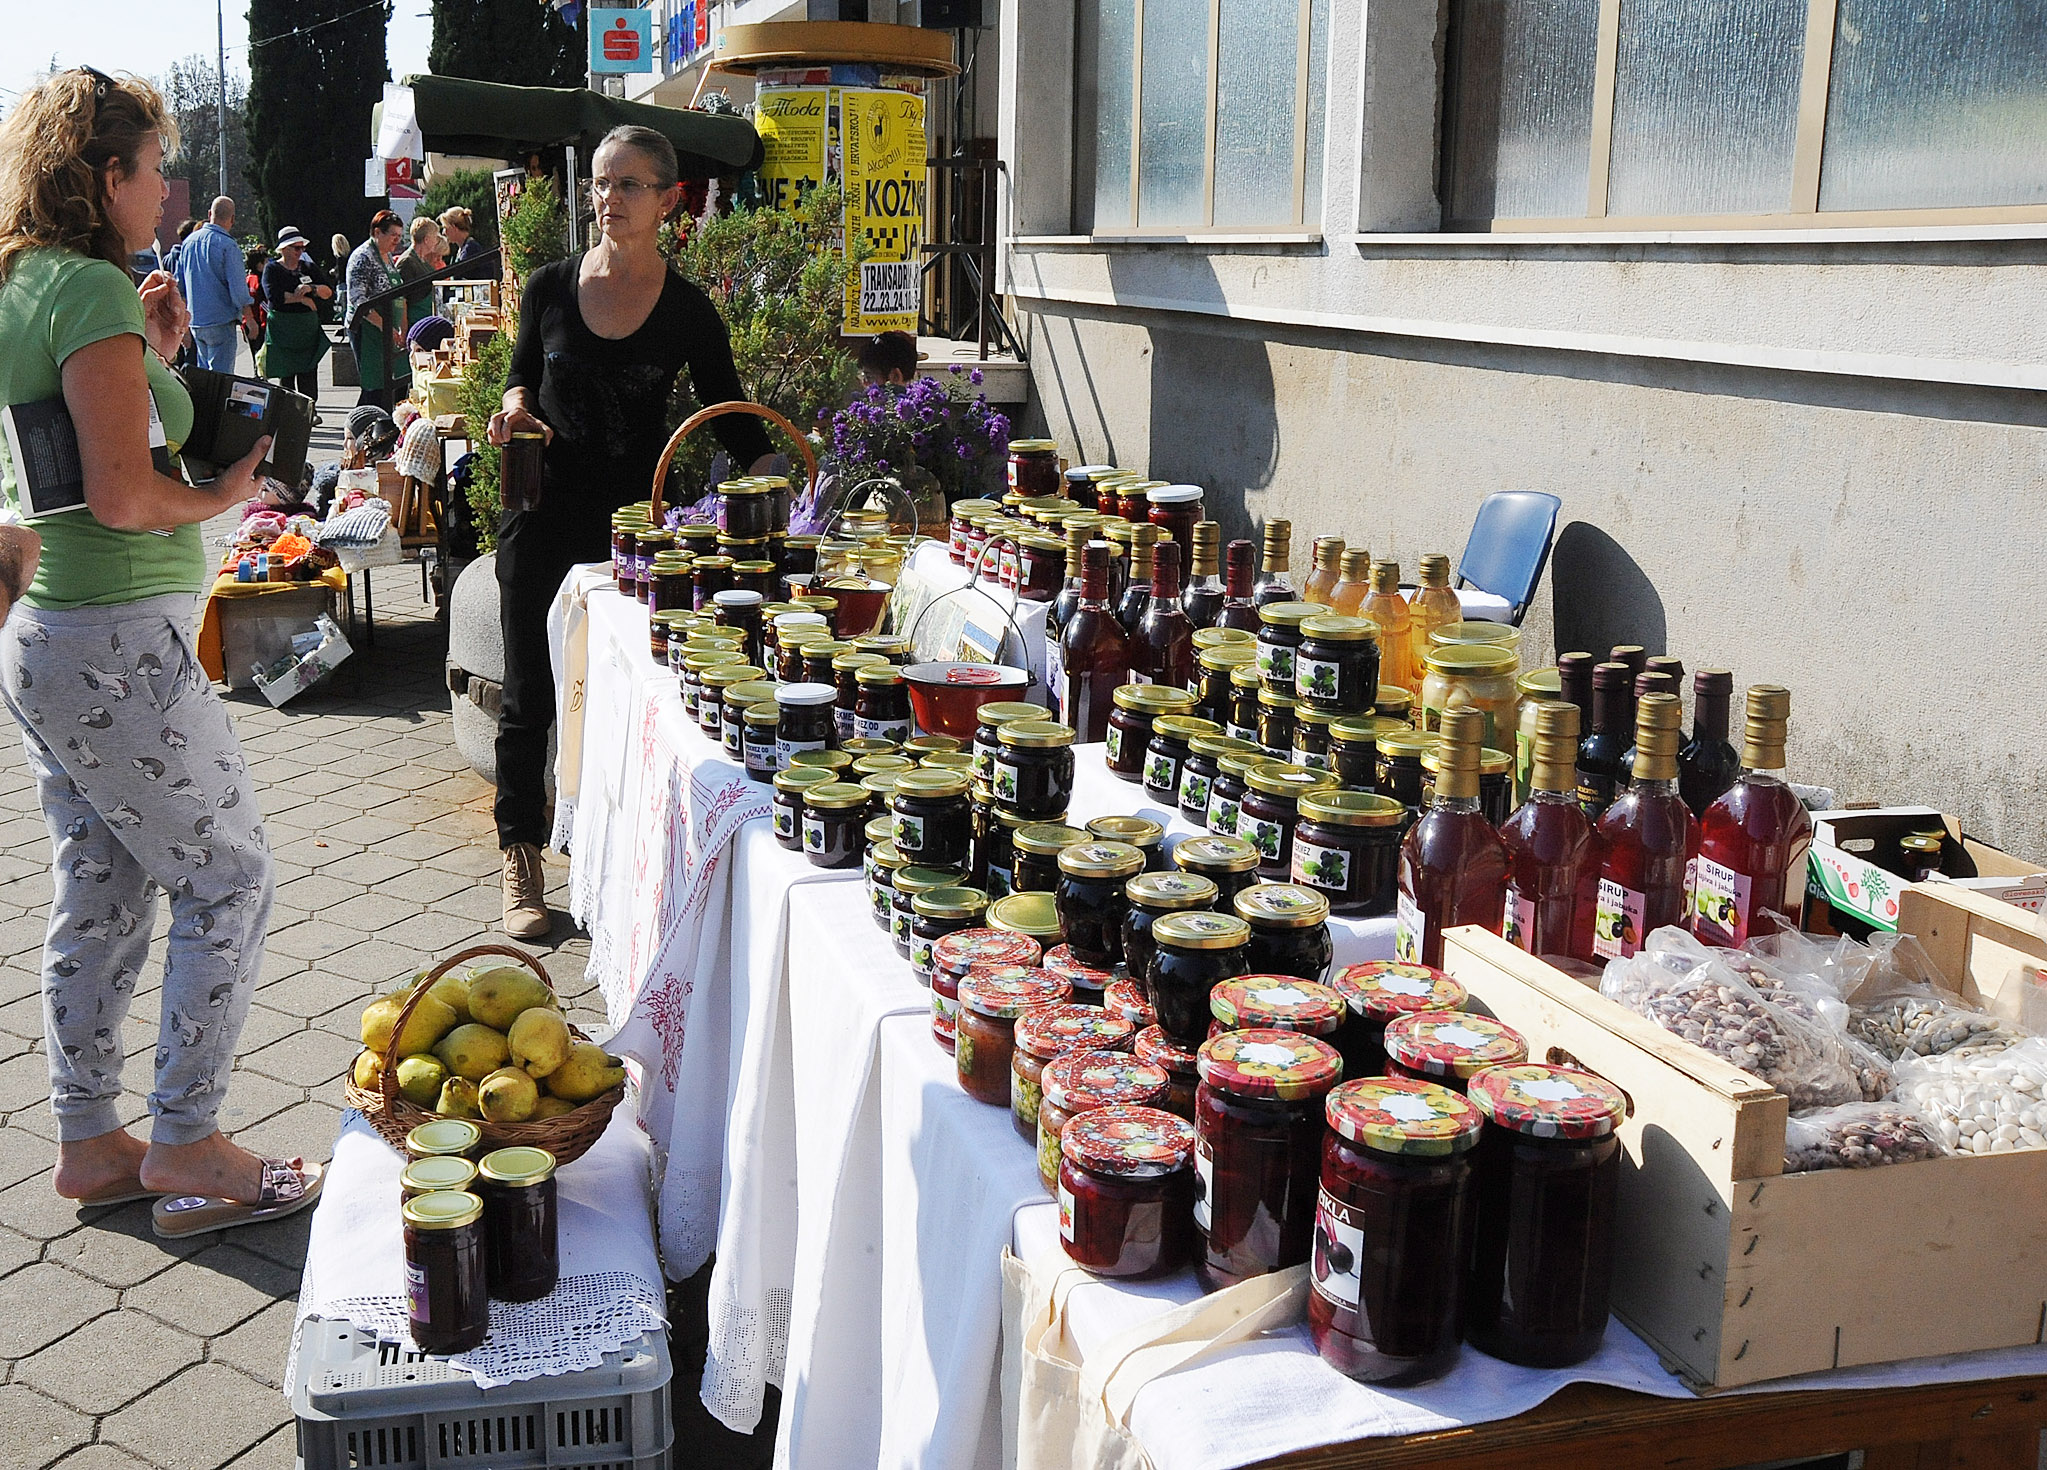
316,69
523,42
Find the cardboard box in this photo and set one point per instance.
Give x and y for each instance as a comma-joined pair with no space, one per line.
1848,872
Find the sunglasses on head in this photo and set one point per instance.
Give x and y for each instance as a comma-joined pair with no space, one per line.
101,85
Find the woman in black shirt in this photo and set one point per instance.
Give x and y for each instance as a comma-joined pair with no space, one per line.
602,336
293,290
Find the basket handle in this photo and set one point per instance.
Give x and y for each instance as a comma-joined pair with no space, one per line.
837,515
717,411
387,1082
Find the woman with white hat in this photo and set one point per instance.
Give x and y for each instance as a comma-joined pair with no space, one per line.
292,290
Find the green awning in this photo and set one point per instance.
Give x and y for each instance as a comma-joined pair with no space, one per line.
492,120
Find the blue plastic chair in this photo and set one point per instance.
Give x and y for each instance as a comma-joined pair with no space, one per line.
1509,546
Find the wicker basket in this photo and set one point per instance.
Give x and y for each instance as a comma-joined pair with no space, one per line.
567,1137
718,411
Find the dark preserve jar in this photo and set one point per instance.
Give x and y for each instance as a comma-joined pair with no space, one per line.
1135,706
1337,668
1213,668
1258,1120
817,663
755,576
934,823
648,543
1242,721
1400,768
1354,750
1270,810
447,1283
881,703
1153,896
991,997
711,575
1311,739
1392,1228
1081,1081
935,913
1037,849
1034,468
1091,900
624,552
1166,756
1197,776
521,1243
1033,768
1045,1033
1226,792
1378,990
1449,1047
1126,1191
834,819
878,867
1549,1172
908,882
1276,724
1495,784
1278,1001
1279,642
1230,863
1191,952
757,729
788,802
1180,1064
1142,833
740,611
992,864
1289,931
955,956
988,722
806,723
1347,848
673,584
845,666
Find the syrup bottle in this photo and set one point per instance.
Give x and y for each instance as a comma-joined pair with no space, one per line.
1390,611
1553,869
1636,657
1275,581
1647,841
1203,599
1162,646
1599,753
1238,610
1094,654
1136,594
1574,674
1708,765
1354,582
1453,866
1067,602
1753,838
1322,579
1649,681
1434,605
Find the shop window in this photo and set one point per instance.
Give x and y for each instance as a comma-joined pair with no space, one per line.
1574,114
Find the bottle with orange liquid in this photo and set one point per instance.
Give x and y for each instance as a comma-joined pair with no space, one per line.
1323,575
1353,582
1434,605
1390,611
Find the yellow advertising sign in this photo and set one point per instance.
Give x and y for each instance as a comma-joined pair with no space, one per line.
791,123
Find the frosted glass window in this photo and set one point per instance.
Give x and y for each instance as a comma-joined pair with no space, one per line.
1705,108
1521,119
1172,143
1936,106
1318,106
1106,80
1257,77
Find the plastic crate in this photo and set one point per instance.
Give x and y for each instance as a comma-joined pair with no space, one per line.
384,1406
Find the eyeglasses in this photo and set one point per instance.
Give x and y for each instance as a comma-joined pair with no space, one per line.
632,191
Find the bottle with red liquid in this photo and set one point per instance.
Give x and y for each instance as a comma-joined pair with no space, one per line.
1238,610
1754,837
1574,676
1136,594
1647,841
1649,681
1275,577
1553,871
1162,645
1094,653
1600,751
1636,657
1076,531
1708,765
1453,866
1203,599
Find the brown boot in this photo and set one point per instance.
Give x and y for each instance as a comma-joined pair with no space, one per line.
525,890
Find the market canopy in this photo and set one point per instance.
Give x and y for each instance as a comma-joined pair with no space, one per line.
493,120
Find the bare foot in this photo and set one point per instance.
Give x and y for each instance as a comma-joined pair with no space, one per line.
99,1166
212,1167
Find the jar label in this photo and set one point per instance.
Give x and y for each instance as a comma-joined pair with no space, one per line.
1048,1150
920,958
1138,676
786,748
896,730
785,821
1161,772
962,1047
1337,1266
1517,920
899,927
760,755
1316,678
1275,662
1193,790
1204,1182
1617,921
1310,759
1222,814
1322,867
1410,929
1024,1096
1720,902
1055,675
1065,1212
689,700
944,1015
813,833
417,1301
1595,795
1114,740
909,832
1006,776
1262,833
879,898
732,738
1001,883
842,722
1242,732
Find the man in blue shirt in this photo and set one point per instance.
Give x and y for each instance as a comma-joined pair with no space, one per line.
215,281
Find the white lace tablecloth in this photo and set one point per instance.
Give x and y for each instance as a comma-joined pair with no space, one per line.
610,1293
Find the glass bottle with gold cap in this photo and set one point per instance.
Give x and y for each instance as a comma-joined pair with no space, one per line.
1094,653
1398,664
1240,561
1551,880
1434,605
1647,840
1453,866
1136,595
1753,838
1353,582
1162,642
1325,572
1275,577
1076,531
1203,599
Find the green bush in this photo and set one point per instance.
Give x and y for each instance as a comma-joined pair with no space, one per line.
537,231
483,393
473,189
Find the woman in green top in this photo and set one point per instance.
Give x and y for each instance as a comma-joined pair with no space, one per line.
138,770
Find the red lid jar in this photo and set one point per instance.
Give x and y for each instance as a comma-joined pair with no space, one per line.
954,955
1081,1081
1182,1067
1049,1032
1447,1047
1377,991
991,997
1125,998
1126,1191
1280,1001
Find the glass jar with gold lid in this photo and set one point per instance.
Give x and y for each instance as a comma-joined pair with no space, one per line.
1495,784
1090,899
1033,915
1135,706
1269,811
1400,767
1037,848
1476,676
1289,931
1213,668
1347,848
1142,833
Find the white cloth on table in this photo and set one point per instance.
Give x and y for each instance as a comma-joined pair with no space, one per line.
610,1293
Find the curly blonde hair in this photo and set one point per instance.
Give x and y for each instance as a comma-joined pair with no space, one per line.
54,150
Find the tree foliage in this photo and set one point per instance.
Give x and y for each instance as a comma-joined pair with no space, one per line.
191,88
473,189
523,42
537,230
311,89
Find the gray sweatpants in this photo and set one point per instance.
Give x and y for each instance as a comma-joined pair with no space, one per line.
144,787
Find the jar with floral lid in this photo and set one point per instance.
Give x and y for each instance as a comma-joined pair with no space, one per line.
1448,1047
1037,849
1125,998
991,997
1378,990
955,956
1192,952
1347,848
1081,1081
1089,982
1090,898
1393,1229
1032,773
1269,811
935,913
1180,1063
1126,1192
1258,1120
788,802
1230,863
1048,1032
1152,896
1281,1002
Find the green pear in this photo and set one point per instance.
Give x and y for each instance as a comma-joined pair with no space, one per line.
507,1095
431,1020
550,1106
588,1072
497,996
420,1079
540,1040
458,1099
473,1051
369,1071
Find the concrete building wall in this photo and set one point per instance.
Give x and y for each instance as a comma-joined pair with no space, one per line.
1812,457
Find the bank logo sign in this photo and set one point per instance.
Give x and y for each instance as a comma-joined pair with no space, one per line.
621,40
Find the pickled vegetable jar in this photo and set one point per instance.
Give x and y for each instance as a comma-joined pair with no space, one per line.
1049,1032
1476,676
1081,1081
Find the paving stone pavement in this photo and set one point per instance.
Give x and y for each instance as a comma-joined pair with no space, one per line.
118,1349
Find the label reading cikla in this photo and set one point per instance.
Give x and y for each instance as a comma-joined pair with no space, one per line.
1337,1264
1720,900
1617,921
1204,1182
1517,920
1410,935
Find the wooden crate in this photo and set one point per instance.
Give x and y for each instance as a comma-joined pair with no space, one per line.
1992,953
1736,1272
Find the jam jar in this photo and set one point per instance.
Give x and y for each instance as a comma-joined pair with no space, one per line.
1032,773
1495,784
1142,833
834,819
1400,768
757,577
1258,1154
788,803
648,543
1192,952
1034,467
1052,1031
881,706
1549,1171
1354,749
1447,1047
1126,1192
1289,930
1166,756
992,864
447,1282
988,722
964,514
1242,721
1393,1228
1379,990
1279,643
908,882
711,694
740,611
818,656
1037,850
991,997
858,750
444,1138
1197,775
624,565
1033,914
1125,998
1135,706
934,823
1090,982
733,704
791,645
935,913
442,1172
1090,899
759,725
807,722
1077,1083
520,1233
1041,569
1276,723
1213,668
1337,668
798,555
1347,848
1230,863
845,666
1151,896
1280,1002
673,584
1180,1063
878,867
837,762
1174,509
923,747
1395,703
1311,739
710,575
1226,791
1269,811
955,956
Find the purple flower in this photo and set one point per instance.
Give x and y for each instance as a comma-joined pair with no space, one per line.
974,377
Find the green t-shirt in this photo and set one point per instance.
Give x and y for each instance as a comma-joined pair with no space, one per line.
53,303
